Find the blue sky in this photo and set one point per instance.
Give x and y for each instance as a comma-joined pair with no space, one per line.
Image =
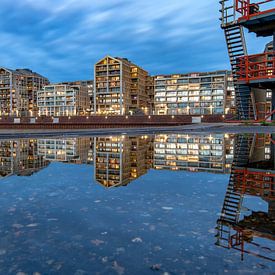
62,39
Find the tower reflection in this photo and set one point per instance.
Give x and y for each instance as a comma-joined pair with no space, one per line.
250,231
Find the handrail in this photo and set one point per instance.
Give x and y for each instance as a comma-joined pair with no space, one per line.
256,67
248,9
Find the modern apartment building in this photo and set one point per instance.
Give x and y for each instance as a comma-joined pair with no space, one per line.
18,91
119,87
194,93
262,96
89,84
139,97
205,153
150,90
63,100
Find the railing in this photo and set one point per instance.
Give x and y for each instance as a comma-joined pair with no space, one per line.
256,67
248,9
238,240
255,183
228,13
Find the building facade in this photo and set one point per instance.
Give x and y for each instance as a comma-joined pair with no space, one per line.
89,84
119,87
18,91
194,94
63,100
150,91
138,95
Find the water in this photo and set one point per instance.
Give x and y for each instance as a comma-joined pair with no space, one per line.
137,205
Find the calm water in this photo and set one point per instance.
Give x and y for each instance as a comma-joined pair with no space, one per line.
161,204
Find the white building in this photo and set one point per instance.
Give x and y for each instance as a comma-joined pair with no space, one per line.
63,100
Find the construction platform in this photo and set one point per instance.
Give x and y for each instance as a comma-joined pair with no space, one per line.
261,23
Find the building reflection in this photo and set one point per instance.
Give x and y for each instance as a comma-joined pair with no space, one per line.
20,157
120,159
23,157
70,150
209,153
252,176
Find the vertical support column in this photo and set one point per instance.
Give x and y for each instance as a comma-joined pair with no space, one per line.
273,89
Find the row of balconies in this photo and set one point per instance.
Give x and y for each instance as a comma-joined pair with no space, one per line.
188,88
164,80
188,93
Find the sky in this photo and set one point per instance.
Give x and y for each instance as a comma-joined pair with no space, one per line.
62,39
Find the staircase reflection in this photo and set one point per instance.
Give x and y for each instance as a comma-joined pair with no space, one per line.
252,174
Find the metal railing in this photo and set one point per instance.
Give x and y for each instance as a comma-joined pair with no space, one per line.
255,183
248,9
256,67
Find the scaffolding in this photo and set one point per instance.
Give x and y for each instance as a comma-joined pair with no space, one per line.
253,74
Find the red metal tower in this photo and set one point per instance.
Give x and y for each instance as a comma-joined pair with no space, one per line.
254,75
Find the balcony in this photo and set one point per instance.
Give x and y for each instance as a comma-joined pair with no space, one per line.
257,68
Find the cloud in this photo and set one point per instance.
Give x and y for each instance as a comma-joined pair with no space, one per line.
63,39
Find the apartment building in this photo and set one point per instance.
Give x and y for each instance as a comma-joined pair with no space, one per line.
119,87
63,100
139,97
263,95
18,91
71,150
89,84
150,90
204,153
194,93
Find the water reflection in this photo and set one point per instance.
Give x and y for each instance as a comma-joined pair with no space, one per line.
70,150
245,229
209,153
119,160
20,157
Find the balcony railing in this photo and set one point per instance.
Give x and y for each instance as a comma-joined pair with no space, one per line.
256,67
248,9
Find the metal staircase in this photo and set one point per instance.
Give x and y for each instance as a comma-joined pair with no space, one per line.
236,46
233,199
